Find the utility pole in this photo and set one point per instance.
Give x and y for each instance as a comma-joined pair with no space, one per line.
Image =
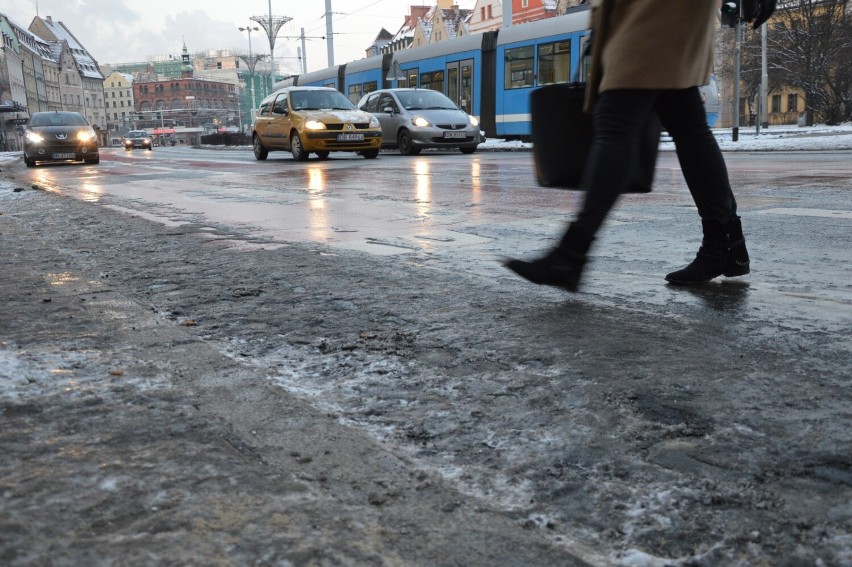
764,80
738,35
304,54
329,34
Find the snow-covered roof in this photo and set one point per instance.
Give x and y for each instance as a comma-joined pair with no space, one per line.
87,66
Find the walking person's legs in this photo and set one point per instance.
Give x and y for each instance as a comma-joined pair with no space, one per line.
619,117
723,250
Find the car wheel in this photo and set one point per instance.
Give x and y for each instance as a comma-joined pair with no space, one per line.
323,155
403,142
260,152
296,148
469,150
370,154
95,160
29,162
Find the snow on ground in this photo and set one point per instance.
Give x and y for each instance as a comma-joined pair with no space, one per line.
777,138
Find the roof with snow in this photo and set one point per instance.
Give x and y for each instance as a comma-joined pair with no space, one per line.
86,64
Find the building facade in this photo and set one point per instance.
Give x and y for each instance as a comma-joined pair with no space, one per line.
118,103
84,79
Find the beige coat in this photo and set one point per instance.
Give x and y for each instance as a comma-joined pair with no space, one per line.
651,44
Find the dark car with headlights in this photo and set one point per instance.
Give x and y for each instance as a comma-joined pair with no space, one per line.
413,119
318,120
59,137
138,139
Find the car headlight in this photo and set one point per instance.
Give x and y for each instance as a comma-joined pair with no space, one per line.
34,138
474,121
314,125
86,136
374,122
420,121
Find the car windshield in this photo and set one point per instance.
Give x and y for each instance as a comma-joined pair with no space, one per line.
137,134
424,100
320,100
57,119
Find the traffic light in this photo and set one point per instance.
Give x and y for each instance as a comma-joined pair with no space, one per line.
730,13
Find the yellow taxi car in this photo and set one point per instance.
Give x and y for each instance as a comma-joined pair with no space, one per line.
318,120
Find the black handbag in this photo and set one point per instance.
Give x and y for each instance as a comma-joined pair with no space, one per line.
562,137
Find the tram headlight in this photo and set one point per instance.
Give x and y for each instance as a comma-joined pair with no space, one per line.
420,121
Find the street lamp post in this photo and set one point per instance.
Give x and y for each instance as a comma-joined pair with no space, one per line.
271,25
251,64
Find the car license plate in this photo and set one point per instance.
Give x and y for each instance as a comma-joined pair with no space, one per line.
63,156
350,137
458,134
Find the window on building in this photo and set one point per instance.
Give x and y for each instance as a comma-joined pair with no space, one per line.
490,15
525,3
792,103
776,103
554,63
482,13
519,71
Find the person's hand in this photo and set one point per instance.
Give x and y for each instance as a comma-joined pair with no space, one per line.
761,10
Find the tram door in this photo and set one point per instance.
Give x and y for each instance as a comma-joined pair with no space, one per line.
460,84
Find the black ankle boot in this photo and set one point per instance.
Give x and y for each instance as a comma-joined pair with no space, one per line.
561,267
722,253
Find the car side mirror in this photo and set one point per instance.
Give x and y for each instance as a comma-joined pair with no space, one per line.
388,109
279,111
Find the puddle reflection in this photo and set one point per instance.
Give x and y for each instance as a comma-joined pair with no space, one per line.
423,187
92,193
475,183
318,222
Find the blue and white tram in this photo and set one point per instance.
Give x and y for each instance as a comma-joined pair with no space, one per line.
488,75
532,55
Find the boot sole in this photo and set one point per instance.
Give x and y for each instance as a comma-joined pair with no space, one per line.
520,268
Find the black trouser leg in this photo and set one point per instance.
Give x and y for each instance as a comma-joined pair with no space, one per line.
618,119
683,115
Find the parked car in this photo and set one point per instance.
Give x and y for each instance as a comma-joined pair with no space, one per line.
316,120
59,136
138,139
413,119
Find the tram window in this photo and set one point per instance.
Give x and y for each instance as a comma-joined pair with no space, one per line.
355,93
519,67
370,87
412,79
331,85
434,81
585,58
554,63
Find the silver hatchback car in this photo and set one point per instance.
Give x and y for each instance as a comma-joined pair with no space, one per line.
413,119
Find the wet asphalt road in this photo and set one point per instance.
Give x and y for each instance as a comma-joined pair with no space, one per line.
444,412
447,205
